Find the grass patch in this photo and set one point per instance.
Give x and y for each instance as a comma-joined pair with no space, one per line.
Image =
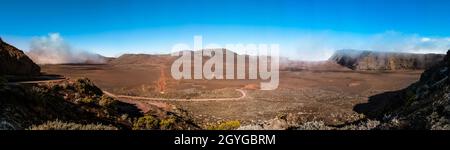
87,101
59,125
146,123
229,125
167,123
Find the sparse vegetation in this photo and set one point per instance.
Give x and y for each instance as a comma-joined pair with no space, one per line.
314,125
60,125
320,125
364,125
106,101
229,125
167,123
85,86
87,101
146,123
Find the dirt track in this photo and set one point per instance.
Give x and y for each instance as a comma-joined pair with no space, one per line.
143,102
176,99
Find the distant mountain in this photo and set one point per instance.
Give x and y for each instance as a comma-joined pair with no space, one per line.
14,62
224,51
371,60
158,59
141,59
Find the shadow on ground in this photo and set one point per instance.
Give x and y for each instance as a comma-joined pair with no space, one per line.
380,104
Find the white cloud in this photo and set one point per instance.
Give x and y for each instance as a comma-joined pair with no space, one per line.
52,49
425,39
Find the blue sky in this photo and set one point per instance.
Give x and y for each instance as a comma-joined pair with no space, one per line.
305,29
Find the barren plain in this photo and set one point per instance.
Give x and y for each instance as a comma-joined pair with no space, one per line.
322,91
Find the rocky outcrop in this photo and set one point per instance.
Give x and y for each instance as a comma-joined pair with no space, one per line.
423,105
14,62
370,60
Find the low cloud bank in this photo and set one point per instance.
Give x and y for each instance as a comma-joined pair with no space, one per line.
52,49
321,45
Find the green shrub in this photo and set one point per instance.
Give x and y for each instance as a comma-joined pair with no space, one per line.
167,123
85,86
146,123
229,125
87,100
106,101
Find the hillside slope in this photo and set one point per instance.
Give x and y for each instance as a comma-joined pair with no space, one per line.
14,62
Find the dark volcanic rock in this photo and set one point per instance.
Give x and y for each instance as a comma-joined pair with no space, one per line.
369,60
423,105
14,62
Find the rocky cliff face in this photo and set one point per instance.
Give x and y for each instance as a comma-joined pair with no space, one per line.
14,62
369,60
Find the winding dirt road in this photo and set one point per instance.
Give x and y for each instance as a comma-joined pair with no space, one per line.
143,102
176,99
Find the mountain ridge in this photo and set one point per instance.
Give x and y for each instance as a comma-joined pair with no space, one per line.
373,60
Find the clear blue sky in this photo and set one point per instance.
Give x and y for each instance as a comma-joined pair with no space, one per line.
113,27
